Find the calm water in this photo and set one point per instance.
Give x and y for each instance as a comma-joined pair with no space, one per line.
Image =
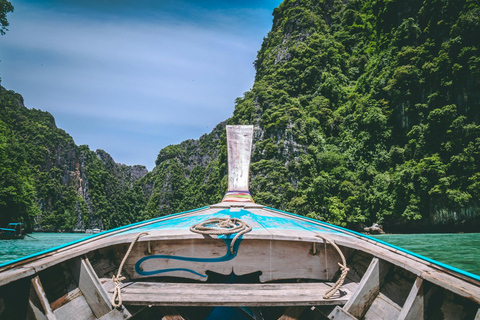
458,250
33,243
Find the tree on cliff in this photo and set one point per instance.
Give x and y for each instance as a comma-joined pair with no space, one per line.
5,7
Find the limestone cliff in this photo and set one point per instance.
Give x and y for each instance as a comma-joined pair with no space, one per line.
72,187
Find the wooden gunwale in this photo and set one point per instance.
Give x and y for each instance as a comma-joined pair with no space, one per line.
469,288
452,281
15,271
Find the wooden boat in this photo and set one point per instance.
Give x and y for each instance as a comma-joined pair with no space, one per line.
12,231
234,260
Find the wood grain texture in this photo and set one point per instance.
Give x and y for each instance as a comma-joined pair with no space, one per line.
382,308
34,313
42,297
35,309
77,309
368,288
246,295
340,314
116,315
414,305
90,286
275,259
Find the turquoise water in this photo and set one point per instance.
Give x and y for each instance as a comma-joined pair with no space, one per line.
33,243
460,250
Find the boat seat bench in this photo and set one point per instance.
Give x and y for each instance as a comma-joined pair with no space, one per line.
240,295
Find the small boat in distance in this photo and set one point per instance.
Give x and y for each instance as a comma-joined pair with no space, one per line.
234,260
12,231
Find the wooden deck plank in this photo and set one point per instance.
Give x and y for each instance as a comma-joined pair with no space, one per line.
246,295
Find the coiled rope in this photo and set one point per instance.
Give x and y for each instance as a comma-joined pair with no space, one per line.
117,280
221,226
343,267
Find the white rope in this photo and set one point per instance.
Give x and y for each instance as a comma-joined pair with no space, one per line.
119,278
220,226
343,267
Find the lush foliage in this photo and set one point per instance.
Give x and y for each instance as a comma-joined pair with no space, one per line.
369,111
50,183
5,7
364,111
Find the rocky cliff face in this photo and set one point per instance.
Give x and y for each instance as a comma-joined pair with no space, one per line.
73,187
364,112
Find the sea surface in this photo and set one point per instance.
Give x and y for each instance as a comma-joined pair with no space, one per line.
460,250
33,243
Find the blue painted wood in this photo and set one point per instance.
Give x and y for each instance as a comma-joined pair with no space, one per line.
257,221
227,257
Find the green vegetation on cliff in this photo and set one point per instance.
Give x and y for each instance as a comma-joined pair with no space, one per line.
370,109
364,111
50,183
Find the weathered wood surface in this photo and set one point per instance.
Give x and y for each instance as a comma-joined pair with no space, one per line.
90,286
77,309
477,317
382,308
69,296
340,314
451,281
246,295
34,313
275,259
42,297
116,315
35,310
368,288
413,308
35,264
457,284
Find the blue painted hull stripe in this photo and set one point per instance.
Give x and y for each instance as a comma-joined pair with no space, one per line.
440,264
227,257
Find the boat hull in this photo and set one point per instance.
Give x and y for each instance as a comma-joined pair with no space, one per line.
282,266
11,236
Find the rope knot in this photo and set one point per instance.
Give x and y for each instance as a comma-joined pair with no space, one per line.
117,292
117,280
222,226
343,267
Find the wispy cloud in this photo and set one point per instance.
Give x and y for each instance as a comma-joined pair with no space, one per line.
177,74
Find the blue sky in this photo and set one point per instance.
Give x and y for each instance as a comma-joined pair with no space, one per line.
131,77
